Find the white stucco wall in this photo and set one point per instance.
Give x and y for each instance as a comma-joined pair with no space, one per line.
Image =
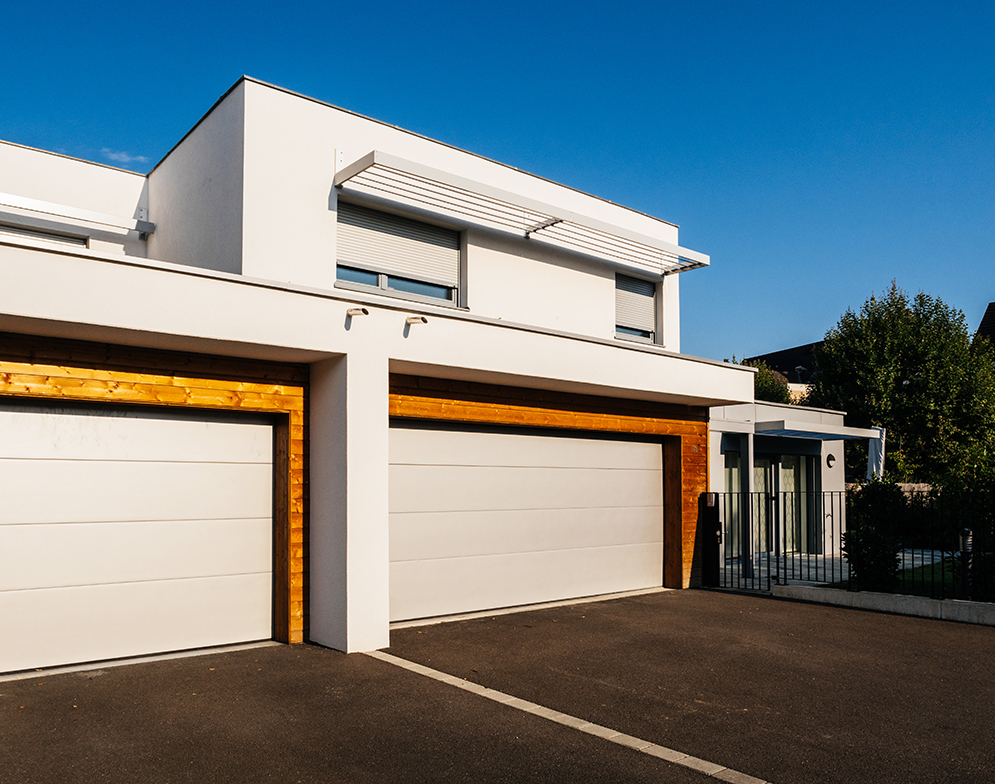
196,192
513,280
250,190
289,218
833,478
670,317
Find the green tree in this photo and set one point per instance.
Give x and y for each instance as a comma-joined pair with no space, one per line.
768,384
910,366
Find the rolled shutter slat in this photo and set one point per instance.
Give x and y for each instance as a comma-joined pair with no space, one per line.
635,303
381,242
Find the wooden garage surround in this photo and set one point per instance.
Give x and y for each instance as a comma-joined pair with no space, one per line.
683,431
49,381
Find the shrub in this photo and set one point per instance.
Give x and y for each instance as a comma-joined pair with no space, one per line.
871,542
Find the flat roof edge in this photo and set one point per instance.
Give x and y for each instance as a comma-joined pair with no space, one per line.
261,83
72,158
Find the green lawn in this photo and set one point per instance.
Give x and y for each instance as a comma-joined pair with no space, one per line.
933,580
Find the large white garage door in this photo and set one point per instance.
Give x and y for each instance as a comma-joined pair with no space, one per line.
481,520
131,533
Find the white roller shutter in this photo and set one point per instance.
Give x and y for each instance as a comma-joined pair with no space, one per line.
124,534
635,303
481,520
381,242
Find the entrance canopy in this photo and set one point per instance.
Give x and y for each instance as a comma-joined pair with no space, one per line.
814,431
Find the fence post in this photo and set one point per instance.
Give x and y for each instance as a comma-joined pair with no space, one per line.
746,536
966,561
711,527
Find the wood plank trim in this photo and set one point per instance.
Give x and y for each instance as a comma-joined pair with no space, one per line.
412,407
56,382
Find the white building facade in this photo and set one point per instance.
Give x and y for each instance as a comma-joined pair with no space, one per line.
314,374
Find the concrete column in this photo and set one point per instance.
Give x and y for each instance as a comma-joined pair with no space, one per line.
349,540
746,451
746,518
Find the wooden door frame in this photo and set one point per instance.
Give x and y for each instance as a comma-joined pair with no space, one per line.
285,402
682,430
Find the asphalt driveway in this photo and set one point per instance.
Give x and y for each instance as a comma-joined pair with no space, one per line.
289,714
782,691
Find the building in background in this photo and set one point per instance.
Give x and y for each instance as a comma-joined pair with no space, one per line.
986,328
796,364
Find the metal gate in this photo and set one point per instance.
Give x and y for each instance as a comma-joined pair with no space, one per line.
756,540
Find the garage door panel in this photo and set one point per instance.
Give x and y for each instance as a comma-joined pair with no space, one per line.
48,627
448,447
80,491
486,519
48,556
468,488
427,535
123,436
447,586
124,534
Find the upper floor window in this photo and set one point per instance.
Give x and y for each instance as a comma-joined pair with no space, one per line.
18,232
397,255
635,308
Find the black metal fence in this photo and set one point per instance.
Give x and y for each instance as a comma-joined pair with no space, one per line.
765,539
939,543
875,538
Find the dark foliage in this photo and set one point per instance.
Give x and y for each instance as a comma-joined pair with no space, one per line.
871,543
910,366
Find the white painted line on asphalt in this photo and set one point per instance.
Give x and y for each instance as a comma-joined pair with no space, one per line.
103,665
526,608
645,746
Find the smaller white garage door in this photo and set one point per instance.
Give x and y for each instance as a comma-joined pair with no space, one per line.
481,520
131,533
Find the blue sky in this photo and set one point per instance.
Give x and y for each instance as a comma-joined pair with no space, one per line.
815,150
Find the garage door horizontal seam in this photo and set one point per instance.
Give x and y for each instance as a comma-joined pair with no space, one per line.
528,552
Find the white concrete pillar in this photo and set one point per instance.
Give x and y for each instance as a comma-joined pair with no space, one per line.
349,541
748,506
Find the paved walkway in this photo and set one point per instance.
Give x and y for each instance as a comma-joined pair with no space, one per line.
808,568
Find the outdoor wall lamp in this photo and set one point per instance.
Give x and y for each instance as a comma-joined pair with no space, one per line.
416,320
357,312
830,459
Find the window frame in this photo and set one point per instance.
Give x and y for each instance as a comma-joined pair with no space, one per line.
383,288
25,231
635,334
457,293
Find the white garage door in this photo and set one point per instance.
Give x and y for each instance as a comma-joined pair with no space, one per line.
131,533
481,520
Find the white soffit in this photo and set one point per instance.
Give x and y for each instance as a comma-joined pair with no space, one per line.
387,176
813,431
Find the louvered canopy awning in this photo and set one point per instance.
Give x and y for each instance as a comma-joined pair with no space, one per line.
386,176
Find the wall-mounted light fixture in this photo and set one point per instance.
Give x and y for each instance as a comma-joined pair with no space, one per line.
830,460
416,320
357,312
